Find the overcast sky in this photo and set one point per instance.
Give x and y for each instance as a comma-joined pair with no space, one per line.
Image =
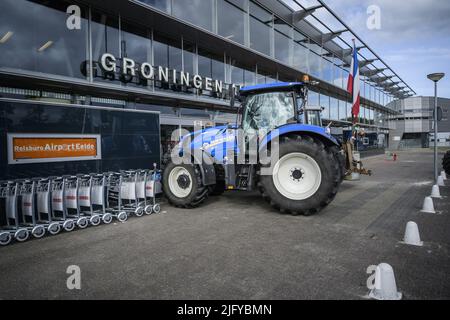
414,38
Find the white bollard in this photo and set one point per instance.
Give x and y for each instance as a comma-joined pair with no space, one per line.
385,286
412,236
435,193
444,175
428,206
440,181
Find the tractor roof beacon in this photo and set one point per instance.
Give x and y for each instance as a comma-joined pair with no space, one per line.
303,175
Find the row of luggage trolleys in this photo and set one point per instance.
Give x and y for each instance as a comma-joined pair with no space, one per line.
50,205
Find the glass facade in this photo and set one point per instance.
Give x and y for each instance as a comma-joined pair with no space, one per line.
268,35
231,20
283,42
163,5
42,45
301,52
198,12
240,74
211,65
50,47
261,29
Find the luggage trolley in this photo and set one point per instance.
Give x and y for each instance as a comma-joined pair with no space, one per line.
9,193
141,191
44,211
59,203
84,205
150,191
92,196
70,205
27,194
129,198
121,191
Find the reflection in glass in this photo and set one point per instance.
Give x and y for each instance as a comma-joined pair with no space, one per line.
283,41
349,111
211,65
136,45
163,5
265,77
301,52
362,116
325,103
105,35
43,43
315,64
197,12
313,99
242,75
195,113
231,21
167,52
105,39
334,109
342,110
260,29
188,57
283,48
327,71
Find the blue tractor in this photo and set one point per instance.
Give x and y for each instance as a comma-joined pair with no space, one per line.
300,178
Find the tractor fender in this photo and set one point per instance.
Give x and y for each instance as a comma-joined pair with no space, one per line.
314,131
207,169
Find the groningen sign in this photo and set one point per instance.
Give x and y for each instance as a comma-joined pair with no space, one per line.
128,69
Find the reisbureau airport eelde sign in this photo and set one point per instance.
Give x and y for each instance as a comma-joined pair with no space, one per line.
41,148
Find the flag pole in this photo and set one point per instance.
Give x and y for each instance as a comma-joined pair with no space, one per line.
354,119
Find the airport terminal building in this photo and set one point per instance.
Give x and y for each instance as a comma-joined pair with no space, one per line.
123,74
413,124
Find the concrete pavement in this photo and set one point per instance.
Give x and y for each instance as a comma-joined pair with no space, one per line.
236,247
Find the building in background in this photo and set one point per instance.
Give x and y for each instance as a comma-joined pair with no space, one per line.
413,127
101,53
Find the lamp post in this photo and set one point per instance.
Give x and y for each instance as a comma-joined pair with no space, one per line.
435,77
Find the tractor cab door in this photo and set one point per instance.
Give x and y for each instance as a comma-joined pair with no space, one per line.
262,113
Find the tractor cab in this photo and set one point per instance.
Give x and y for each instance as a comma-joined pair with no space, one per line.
266,107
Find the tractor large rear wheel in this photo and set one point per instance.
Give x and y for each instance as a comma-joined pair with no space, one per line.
446,163
304,179
182,185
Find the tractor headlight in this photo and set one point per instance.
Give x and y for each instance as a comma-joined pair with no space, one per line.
328,130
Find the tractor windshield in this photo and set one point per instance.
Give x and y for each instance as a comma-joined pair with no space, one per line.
266,111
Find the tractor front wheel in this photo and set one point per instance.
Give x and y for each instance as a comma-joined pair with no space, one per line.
304,179
182,185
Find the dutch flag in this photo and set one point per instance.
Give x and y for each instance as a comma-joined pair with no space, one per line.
353,85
